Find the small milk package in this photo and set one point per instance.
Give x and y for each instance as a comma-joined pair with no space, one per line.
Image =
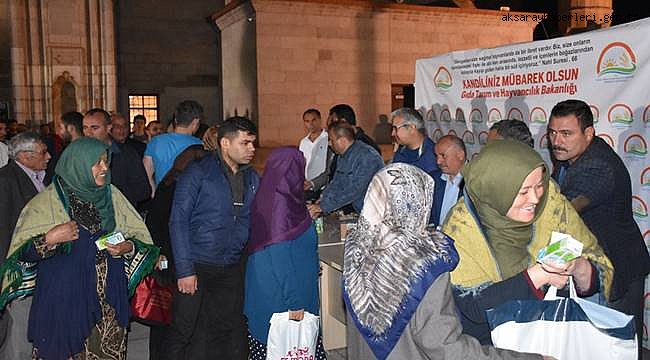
562,249
112,238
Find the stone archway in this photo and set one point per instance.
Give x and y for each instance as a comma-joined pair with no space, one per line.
64,96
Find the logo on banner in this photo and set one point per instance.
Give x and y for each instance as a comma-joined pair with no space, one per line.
635,145
595,112
646,115
608,139
494,116
516,114
431,115
620,115
543,142
442,79
482,137
468,137
437,134
639,208
538,116
645,179
460,115
452,132
445,115
616,61
476,116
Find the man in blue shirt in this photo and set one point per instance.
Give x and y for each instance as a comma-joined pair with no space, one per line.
357,164
163,149
417,149
208,227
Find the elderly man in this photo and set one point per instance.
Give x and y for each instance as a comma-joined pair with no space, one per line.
127,170
357,164
451,155
20,180
593,177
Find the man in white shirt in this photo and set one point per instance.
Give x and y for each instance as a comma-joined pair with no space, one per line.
314,145
450,155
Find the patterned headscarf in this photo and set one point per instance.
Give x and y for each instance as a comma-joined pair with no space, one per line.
391,258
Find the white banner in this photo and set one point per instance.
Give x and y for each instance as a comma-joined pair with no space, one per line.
465,92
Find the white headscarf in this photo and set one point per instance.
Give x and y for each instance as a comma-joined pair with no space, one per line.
391,247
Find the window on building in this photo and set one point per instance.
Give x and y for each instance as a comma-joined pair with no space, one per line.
146,105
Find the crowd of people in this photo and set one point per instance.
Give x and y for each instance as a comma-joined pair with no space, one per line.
91,207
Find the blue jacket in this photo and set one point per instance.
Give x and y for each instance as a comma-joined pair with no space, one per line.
426,161
203,227
354,170
285,276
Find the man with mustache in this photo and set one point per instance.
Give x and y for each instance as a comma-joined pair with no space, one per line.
593,177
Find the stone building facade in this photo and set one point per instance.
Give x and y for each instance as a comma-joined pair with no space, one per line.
282,57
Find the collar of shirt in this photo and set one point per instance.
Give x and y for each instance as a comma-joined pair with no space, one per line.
455,180
323,134
33,175
227,168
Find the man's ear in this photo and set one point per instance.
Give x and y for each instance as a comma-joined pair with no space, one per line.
224,142
589,133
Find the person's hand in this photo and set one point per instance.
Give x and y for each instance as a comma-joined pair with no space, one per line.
297,315
540,277
314,210
63,232
120,249
188,285
308,185
580,268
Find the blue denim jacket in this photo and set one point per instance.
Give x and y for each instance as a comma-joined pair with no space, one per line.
354,170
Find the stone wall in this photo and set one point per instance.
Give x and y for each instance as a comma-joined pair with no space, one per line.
317,53
239,61
56,43
166,47
5,56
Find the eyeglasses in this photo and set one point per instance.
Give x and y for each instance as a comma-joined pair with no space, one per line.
395,128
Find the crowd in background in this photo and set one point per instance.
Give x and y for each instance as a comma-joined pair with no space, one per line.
439,239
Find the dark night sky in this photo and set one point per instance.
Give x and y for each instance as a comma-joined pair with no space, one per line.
624,11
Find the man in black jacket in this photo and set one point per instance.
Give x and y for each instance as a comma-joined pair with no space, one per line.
593,177
127,171
20,180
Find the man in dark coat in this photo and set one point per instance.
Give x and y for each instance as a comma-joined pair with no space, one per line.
20,180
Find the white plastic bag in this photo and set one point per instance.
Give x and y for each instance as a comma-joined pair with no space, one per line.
565,328
292,340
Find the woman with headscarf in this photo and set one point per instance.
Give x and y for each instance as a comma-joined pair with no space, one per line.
396,277
282,268
507,214
80,307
